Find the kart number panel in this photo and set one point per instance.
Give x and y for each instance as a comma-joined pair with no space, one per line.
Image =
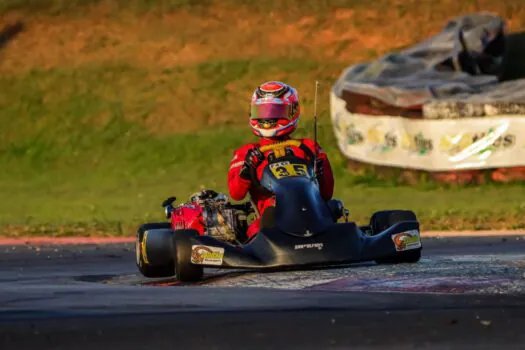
288,169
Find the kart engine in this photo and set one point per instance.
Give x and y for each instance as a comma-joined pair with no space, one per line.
221,219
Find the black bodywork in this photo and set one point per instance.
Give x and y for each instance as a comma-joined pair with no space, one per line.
339,244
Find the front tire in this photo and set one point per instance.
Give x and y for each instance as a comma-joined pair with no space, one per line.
382,220
147,270
184,269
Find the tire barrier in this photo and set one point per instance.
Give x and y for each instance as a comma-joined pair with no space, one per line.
436,109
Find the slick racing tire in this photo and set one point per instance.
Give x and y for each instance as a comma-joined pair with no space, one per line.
147,270
184,269
382,220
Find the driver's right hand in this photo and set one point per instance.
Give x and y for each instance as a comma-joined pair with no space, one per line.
252,160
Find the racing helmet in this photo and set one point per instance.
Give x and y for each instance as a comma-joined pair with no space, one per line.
274,110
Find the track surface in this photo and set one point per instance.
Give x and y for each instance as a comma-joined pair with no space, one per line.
465,294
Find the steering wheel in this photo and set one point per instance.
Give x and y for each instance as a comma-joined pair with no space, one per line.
279,151
280,146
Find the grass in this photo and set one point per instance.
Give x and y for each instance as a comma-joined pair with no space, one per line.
108,112
125,187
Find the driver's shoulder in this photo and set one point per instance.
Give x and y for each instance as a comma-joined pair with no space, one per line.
310,143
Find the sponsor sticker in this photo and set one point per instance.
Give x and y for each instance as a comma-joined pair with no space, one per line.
417,143
406,240
206,255
318,246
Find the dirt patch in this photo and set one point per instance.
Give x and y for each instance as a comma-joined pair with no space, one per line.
229,32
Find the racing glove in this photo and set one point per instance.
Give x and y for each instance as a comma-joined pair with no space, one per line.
252,160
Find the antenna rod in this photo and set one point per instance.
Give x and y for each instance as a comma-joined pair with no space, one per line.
315,125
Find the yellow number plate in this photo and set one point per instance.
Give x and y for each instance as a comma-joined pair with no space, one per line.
287,169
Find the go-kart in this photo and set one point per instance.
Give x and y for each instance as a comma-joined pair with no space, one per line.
301,230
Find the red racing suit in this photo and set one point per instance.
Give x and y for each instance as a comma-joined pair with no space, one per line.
239,187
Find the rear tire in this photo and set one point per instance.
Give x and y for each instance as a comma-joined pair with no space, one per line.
382,220
184,269
151,271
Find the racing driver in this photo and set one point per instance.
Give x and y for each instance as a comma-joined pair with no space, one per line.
274,115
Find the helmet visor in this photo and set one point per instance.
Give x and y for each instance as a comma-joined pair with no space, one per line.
270,111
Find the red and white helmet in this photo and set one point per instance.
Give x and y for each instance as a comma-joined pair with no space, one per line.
274,110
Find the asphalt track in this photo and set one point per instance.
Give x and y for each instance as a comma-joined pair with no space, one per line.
466,293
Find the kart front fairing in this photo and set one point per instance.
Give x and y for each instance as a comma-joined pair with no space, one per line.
299,207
